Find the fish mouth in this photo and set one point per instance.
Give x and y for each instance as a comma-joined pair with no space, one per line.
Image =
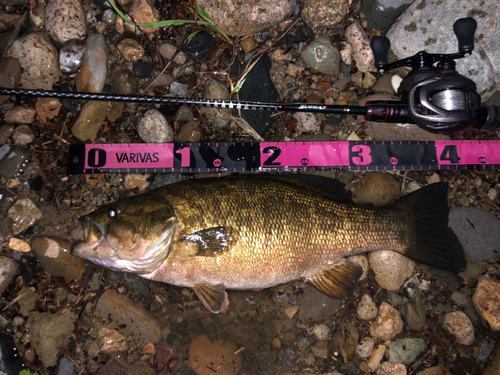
93,233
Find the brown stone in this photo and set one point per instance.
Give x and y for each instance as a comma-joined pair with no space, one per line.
486,300
47,108
209,357
388,323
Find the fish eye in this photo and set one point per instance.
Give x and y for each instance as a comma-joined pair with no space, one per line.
113,212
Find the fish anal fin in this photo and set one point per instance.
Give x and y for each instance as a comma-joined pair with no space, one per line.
213,297
338,282
212,241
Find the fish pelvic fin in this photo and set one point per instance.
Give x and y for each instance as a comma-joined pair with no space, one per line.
430,240
338,282
213,297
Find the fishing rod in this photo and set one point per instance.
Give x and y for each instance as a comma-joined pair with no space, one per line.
434,97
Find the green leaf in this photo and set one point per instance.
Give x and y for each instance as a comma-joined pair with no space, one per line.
239,85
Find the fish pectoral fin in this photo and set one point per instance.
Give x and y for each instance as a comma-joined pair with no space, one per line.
213,297
338,282
212,241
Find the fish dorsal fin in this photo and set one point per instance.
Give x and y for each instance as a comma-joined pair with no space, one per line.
338,282
212,241
213,297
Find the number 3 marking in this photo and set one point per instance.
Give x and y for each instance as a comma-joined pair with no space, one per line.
363,152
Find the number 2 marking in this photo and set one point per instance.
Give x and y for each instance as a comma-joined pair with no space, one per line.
363,152
275,152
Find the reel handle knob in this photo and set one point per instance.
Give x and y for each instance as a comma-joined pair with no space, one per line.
464,29
380,46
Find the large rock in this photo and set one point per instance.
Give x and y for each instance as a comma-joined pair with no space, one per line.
39,59
418,28
92,75
240,18
324,13
486,300
65,20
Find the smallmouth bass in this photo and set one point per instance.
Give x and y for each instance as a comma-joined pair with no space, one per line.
254,232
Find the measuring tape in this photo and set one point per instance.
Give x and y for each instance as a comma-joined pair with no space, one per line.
283,156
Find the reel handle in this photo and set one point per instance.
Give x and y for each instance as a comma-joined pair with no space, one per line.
464,29
380,46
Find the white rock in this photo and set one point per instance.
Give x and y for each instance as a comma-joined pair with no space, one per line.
321,331
39,59
65,20
388,323
306,122
167,50
365,347
361,50
367,310
460,326
492,194
391,269
346,53
154,128
396,82
8,269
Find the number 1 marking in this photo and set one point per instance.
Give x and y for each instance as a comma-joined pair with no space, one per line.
185,156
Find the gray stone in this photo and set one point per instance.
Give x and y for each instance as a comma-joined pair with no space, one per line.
405,350
23,214
154,128
216,90
10,74
8,269
71,55
320,55
92,76
65,20
13,162
315,306
478,231
66,367
419,28
381,13
39,59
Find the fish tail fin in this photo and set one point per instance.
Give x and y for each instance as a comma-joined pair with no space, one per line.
431,241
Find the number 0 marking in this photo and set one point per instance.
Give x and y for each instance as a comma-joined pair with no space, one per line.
363,152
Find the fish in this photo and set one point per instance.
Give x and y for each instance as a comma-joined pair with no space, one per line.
256,232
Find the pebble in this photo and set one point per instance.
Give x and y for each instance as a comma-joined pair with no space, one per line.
129,318
361,50
388,323
111,341
140,367
315,306
55,257
388,368
363,262
131,50
117,364
10,74
11,362
460,326
377,188
190,132
243,18
23,135
109,17
383,85
478,231
37,17
415,313
367,310
207,356
346,53
167,50
405,350
248,44
324,13
65,20
20,115
142,69
8,269
494,367
13,162
220,117
365,347
90,119
23,214
49,332
391,269
19,245
184,113
47,108
139,181
124,82
66,366
5,132
320,55
485,300
321,331
200,46
369,80
143,11
306,122
71,55
154,128
178,89
376,358
92,75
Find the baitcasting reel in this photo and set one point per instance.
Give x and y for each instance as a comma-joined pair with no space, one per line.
438,98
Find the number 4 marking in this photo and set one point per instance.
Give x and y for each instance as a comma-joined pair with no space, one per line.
450,154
